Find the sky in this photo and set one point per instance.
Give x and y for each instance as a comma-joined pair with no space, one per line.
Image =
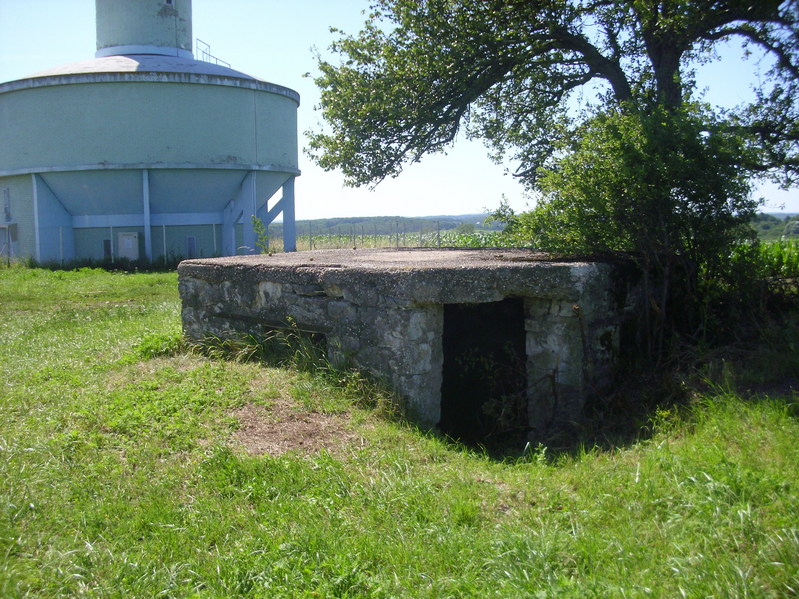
276,41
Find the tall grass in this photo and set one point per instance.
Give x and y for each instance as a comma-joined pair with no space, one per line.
119,477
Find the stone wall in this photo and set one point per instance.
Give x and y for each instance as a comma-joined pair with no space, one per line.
384,311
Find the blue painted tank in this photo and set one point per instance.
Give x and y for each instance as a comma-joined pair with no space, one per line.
144,151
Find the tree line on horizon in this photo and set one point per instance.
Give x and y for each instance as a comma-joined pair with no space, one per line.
768,226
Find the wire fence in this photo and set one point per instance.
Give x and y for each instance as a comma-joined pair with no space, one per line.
360,237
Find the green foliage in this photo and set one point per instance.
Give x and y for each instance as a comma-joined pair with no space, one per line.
653,183
791,228
261,235
658,187
753,302
779,262
169,405
153,345
770,227
419,72
596,103
289,347
769,271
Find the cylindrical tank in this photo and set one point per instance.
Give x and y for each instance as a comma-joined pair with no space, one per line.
144,149
144,27
68,118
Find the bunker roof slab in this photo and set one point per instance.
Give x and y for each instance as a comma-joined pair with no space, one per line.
439,276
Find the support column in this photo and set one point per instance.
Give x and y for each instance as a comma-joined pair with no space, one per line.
37,252
248,196
53,224
229,218
237,211
289,226
145,194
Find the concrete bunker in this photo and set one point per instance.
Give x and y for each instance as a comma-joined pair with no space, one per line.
480,343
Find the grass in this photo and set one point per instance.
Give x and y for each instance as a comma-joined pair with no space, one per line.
120,477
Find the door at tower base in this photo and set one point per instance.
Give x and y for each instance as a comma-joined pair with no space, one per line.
128,246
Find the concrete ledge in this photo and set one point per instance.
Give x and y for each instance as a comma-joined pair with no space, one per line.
130,166
146,68
438,276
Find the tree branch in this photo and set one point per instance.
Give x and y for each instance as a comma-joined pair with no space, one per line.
604,67
783,57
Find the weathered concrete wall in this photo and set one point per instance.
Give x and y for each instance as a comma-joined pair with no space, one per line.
384,312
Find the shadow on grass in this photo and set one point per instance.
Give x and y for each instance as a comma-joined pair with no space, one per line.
648,403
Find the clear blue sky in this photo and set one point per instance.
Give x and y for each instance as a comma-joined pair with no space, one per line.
273,41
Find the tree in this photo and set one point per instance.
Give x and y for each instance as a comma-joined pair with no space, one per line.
420,71
595,101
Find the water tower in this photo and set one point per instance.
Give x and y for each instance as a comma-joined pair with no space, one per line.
144,151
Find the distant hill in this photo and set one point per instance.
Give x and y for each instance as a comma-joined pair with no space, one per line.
782,215
387,225
768,225
772,226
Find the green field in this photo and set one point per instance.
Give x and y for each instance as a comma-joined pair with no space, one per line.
131,466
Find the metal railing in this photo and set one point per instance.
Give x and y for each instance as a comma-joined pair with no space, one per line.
203,52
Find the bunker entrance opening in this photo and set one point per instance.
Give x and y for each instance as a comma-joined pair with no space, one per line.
484,383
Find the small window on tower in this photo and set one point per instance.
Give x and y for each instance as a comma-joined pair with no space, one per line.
169,2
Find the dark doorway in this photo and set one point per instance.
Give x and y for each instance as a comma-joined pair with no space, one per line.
483,392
